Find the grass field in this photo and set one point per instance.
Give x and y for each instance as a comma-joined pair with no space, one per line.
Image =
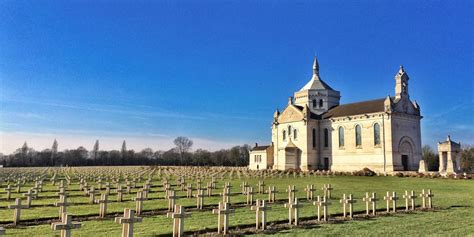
454,202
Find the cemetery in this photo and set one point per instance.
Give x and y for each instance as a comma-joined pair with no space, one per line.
177,201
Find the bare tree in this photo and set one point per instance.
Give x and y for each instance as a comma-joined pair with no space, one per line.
183,145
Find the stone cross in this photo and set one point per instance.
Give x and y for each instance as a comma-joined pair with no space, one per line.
66,225
199,198
322,202
291,193
387,199
62,204
261,214
310,191
250,194
29,195
92,193
168,188
327,190
227,185
409,197
129,187
178,220
62,192
271,194
16,210
9,189
2,231
146,189
189,191
426,195
139,202
226,195
293,211
127,222
261,187
103,205
209,189
107,188
120,192
244,187
223,213
370,200
347,202
394,199
172,200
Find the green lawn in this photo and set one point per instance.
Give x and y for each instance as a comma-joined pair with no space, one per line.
453,199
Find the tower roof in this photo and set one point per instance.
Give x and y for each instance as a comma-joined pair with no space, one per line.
316,83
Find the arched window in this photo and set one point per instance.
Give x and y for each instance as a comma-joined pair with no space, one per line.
289,131
376,134
314,137
284,135
315,104
358,136
320,103
295,134
341,137
326,137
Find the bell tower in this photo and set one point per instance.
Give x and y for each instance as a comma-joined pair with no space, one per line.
401,84
316,94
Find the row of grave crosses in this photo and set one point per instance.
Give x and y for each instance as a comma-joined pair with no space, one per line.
223,211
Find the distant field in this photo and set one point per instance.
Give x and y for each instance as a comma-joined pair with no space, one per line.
453,200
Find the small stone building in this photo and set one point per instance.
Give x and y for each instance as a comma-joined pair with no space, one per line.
261,157
449,156
316,132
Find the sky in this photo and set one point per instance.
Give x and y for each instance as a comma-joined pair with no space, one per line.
215,71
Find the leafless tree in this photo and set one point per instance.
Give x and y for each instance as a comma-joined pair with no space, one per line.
183,145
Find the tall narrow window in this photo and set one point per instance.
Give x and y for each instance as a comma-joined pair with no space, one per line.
326,137
289,131
320,103
295,134
376,134
315,104
341,137
358,136
284,135
314,138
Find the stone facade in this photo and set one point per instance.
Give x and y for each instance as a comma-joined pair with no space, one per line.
315,132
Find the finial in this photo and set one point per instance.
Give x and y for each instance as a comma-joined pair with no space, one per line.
290,100
449,138
401,71
315,66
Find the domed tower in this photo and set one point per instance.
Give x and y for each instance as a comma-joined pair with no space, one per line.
316,94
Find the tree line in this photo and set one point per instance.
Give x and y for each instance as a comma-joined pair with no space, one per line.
179,155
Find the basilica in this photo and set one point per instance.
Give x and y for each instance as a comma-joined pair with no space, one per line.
316,132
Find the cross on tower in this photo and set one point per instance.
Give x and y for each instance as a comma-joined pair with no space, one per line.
127,222
223,213
66,225
178,220
322,202
261,214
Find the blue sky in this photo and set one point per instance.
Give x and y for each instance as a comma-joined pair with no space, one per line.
148,71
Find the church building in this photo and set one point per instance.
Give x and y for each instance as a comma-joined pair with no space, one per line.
316,132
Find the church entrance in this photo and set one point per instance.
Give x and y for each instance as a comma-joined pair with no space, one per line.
405,162
326,163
